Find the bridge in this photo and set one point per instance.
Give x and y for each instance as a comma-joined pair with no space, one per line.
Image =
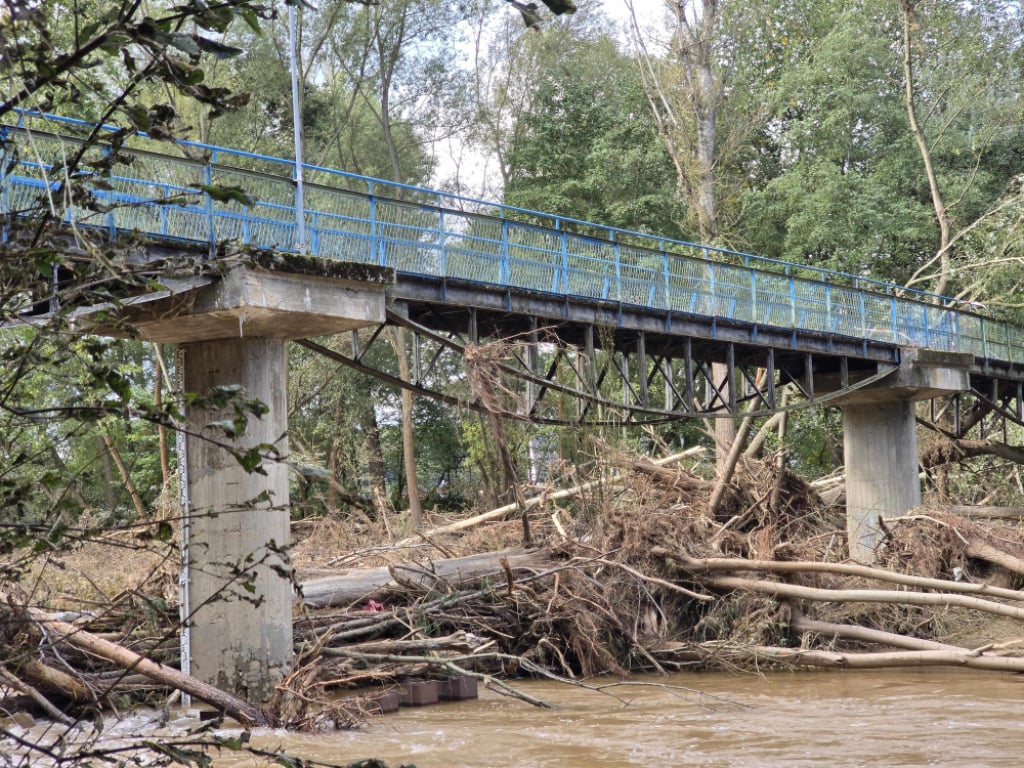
625,326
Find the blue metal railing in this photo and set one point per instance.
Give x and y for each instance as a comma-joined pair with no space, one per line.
432,233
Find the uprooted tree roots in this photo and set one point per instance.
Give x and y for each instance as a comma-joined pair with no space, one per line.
652,583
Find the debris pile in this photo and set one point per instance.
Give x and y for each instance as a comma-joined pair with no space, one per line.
649,581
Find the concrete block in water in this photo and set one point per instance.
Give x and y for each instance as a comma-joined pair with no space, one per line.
418,693
457,688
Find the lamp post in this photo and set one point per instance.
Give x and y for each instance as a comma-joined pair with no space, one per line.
300,207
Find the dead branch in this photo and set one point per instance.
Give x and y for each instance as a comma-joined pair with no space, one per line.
500,512
719,564
793,591
881,660
827,629
45,704
59,631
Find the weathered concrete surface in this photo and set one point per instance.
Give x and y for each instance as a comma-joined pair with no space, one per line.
922,374
282,297
880,448
880,441
246,302
240,591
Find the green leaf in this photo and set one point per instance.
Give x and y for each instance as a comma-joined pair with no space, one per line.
251,19
186,43
219,50
227,194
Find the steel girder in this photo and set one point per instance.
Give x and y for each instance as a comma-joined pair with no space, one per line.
570,372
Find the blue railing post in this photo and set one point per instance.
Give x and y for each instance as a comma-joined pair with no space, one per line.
442,240
893,327
565,262
753,294
211,227
618,272
792,302
504,266
711,287
376,241
667,277
828,308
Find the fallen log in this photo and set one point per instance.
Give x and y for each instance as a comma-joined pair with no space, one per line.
42,675
360,585
983,551
974,512
793,591
33,695
801,624
718,564
879,660
58,631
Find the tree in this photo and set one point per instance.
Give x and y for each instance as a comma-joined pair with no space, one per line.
840,179
705,120
587,147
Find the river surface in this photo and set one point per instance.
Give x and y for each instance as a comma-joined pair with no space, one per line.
918,718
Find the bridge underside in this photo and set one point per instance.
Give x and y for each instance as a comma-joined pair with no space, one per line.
585,362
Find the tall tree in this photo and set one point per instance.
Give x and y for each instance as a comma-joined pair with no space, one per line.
840,177
587,148
699,106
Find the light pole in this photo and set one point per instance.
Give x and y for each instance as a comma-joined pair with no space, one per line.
300,207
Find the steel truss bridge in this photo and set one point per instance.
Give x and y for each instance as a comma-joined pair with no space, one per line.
597,324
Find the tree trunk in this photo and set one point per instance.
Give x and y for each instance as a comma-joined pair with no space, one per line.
360,585
408,431
909,18
126,478
247,714
375,463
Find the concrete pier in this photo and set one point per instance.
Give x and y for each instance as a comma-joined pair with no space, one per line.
880,448
880,442
240,593
232,325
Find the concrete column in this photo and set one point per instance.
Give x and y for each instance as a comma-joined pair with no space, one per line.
240,592
880,445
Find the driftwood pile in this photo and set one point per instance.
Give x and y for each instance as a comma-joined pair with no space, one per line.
635,575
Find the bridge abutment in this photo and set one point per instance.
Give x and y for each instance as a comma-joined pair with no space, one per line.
880,442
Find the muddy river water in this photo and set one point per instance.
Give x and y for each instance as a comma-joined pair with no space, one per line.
916,718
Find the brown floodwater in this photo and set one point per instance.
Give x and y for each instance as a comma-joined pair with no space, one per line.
932,717
915,718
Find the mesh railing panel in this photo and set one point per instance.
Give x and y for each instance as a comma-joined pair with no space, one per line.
366,220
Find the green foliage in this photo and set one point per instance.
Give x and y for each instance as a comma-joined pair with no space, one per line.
838,179
587,147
